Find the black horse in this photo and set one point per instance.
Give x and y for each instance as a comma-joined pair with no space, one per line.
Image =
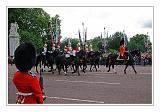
64,62
40,59
80,61
60,61
130,59
111,61
94,59
46,60
127,59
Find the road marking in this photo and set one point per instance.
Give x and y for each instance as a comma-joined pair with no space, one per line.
97,77
110,73
105,73
91,101
87,82
146,73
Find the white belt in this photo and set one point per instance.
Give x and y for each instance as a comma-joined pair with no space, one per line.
24,94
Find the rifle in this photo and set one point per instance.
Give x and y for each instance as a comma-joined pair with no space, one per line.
41,81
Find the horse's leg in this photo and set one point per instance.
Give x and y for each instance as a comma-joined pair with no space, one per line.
70,64
36,69
98,65
36,65
95,67
59,68
125,68
114,69
81,67
98,62
84,68
73,67
77,69
43,64
56,68
52,69
66,66
109,67
91,67
134,69
107,62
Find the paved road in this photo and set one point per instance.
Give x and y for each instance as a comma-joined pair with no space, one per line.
94,87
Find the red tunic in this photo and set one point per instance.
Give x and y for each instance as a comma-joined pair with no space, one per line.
121,49
77,49
28,83
67,49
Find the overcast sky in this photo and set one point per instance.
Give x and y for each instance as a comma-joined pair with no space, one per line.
132,20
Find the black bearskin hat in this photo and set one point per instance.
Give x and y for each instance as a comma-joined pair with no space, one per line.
25,57
122,42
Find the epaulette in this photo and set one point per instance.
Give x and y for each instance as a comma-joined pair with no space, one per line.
32,74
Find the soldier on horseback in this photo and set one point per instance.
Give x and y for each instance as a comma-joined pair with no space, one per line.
121,49
44,52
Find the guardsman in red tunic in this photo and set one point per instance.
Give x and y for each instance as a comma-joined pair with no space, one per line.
121,49
78,48
27,84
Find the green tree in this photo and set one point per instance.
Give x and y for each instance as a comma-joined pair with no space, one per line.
31,37
138,41
55,24
74,42
96,43
114,40
33,25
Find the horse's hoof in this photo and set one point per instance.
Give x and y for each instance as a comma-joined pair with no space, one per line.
124,72
107,70
65,73
115,72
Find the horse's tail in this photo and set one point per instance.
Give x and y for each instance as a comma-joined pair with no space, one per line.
107,61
